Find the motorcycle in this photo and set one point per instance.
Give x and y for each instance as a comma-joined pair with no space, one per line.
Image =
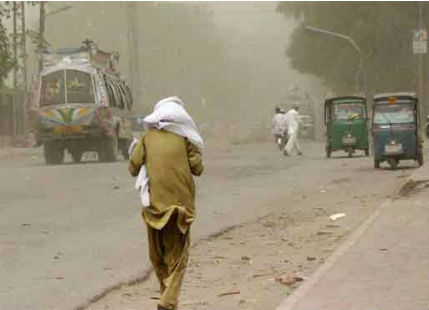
281,140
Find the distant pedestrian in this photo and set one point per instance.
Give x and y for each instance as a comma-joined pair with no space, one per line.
292,120
279,127
166,157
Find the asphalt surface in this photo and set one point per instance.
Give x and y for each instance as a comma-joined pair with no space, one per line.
69,232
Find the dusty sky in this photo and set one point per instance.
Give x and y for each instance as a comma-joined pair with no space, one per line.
253,35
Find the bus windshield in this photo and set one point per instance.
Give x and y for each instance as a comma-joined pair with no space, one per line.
79,88
393,113
346,111
52,91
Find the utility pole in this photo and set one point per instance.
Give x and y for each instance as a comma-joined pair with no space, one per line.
15,70
133,59
420,69
24,66
41,33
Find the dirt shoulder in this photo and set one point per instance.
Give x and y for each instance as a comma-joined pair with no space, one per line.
257,264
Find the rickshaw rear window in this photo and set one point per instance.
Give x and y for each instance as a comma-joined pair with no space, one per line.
345,111
393,113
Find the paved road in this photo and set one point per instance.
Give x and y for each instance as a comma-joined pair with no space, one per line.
69,232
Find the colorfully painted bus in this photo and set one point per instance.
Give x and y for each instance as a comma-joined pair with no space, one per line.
83,106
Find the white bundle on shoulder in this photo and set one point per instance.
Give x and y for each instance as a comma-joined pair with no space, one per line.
142,182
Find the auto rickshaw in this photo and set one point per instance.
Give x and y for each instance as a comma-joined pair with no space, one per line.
346,124
396,129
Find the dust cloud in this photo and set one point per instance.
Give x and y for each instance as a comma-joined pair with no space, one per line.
226,60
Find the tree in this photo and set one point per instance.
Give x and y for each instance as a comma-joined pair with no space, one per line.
6,59
383,31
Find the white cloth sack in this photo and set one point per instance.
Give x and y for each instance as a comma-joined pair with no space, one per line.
170,115
142,182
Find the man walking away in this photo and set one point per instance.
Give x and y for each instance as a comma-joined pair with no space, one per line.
170,153
279,127
292,120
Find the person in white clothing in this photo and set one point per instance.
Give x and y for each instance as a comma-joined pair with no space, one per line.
292,120
279,127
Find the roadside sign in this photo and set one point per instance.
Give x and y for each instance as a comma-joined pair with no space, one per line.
420,41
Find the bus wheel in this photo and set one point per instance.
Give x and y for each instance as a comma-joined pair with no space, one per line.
124,144
420,158
108,148
76,156
54,154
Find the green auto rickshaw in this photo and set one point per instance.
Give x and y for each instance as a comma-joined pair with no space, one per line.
346,122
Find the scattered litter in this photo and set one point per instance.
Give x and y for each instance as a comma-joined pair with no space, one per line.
154,298
323,191
259,275
324,232
333,226
285,238
235,292
245,258
383,249
337,216
25,224
289,280
311,258
116,187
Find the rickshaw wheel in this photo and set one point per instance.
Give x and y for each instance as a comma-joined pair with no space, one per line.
420,158
350,152
366,152
393,163
376,164
328,152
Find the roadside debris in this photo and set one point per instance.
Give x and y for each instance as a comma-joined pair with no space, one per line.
289,280
324,232
234,292
337,216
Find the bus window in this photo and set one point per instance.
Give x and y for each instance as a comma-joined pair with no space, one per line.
80,88
52,91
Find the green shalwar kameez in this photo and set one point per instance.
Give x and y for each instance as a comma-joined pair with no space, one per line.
170,162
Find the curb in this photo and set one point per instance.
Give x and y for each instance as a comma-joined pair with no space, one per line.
290,302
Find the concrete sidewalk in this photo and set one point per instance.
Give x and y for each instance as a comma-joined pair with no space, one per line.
384,265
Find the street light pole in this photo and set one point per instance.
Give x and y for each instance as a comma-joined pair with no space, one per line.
354,45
